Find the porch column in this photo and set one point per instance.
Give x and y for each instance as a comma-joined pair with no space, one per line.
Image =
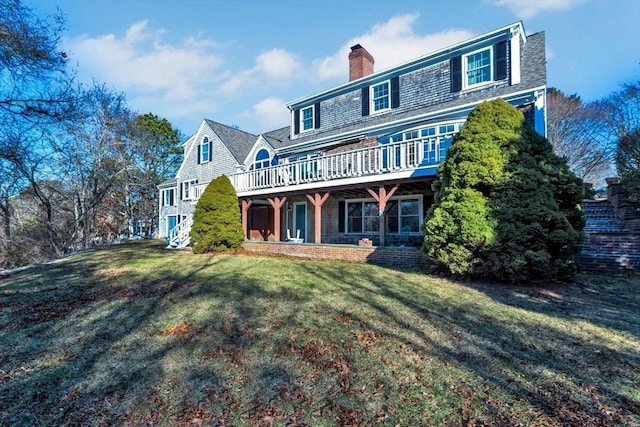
277,203
245,214
382,197
317,201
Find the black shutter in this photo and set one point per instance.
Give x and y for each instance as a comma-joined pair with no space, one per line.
199,153
316,115
456,74
365,101
181,185
296,121
341,218
210,151
500,54
395,92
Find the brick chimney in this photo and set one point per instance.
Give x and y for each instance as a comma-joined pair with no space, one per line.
360,63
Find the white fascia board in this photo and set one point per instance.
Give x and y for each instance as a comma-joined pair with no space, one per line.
406,121
420,62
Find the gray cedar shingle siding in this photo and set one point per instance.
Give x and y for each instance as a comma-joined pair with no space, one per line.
428,90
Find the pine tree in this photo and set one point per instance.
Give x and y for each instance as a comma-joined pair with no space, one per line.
506,206
216,220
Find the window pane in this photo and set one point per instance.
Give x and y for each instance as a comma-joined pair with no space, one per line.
409,207
372,224
410,224
355,225
371,209
355,209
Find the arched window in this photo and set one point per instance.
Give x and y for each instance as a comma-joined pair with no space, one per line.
263,159
204,151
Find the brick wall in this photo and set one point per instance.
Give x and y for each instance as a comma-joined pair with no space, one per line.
610,252
388,256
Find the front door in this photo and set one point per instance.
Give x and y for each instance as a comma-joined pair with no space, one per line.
172,221
300,219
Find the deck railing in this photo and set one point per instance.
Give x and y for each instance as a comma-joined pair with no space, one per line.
384,158
381,159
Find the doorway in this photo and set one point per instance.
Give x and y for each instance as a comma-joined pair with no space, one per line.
300,219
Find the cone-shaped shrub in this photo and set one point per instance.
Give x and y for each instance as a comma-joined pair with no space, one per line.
216,221
506,207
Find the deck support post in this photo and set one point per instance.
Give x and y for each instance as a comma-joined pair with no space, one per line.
276,203
317,201
382,197
246,204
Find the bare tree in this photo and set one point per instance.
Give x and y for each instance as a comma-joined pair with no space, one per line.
573,133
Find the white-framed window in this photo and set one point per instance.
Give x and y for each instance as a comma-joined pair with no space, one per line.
169,197
306,119
205,151
262,160
403,215
362,217
478,67
188,189
380,97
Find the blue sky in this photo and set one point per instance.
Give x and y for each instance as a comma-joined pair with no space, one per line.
240,62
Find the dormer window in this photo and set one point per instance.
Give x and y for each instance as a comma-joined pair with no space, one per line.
380,97
306,119
478,67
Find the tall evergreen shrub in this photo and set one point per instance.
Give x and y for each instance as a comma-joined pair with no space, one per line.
216,221
506,207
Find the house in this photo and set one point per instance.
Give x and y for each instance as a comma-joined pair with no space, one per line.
357,161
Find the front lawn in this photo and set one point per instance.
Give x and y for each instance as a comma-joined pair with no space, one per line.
137,335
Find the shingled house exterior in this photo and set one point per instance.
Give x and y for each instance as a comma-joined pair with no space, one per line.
357,161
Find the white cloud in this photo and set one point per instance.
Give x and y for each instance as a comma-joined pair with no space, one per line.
269,114
272,68
390,43
525,9
162,78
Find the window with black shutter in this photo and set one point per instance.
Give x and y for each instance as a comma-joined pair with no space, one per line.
316,115
341,216
395,92
365,101
456,74
296,121
500,54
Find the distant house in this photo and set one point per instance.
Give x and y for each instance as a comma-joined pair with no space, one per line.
357,160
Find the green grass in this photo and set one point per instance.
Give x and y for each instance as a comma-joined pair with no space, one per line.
136,335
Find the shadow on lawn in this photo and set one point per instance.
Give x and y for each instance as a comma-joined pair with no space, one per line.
108,348
566,378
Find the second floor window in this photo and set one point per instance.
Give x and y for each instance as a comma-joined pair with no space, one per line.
189,190
168,197
478,67
306,118
380,97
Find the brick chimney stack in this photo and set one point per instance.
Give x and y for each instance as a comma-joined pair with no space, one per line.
360,63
